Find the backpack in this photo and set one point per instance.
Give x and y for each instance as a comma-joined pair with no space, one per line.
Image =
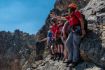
85,22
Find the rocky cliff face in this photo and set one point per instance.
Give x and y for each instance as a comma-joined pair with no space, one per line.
97,6
93,45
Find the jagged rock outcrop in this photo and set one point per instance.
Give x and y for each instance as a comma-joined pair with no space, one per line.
97,6
48,64
93,47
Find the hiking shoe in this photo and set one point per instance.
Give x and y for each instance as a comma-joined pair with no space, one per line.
61,58
74,64
65,61
52,57
68,62
58,58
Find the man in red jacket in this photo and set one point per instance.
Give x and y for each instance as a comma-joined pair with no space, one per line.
77,31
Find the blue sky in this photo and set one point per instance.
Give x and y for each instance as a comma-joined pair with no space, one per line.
26,15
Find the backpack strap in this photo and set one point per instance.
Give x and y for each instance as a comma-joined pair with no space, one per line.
78,25
76,16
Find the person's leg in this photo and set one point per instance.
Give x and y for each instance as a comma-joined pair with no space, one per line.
69,46
48,42
59,55
55,53
57,49
61,51
64,49
52,50
65,52
76,44
49,45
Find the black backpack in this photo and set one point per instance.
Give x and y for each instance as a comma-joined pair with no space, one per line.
85,22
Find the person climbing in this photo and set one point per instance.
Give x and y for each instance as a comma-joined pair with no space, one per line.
50,42
62,53
63,48
59,41
54,30
77,32
65,33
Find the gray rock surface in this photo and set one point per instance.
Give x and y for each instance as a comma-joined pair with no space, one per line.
93,47
48,64
97,6
93,50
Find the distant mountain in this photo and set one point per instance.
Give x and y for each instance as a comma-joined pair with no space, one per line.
16,45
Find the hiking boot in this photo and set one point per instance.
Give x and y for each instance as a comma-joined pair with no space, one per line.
68,62
52,56
65,60
58,58
74,64
62,56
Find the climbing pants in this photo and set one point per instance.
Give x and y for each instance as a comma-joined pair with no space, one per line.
72,43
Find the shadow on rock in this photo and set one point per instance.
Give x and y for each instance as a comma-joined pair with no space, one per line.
92,50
